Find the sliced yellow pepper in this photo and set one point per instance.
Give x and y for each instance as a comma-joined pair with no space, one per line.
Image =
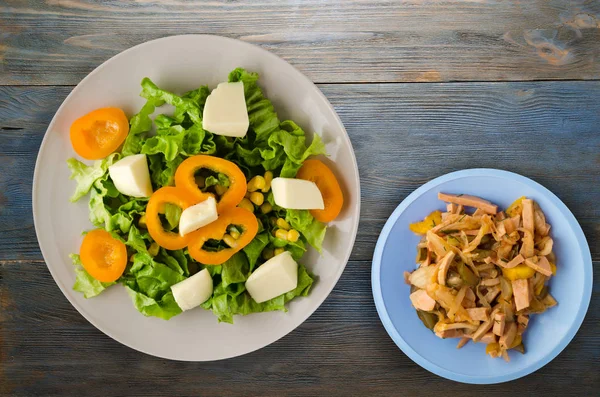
516,342
518,272
516,207
492,347
553,267
430,221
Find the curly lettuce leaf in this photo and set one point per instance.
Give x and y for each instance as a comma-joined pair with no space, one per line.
309,227
138,125
85,283
86,175
164,308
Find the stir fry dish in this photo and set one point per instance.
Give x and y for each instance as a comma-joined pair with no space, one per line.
482,273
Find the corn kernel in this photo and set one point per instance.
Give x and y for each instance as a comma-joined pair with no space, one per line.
153,249
293,235
142,221
256,183
220,189
257,198
235,234
131,258
200,181
246,204
268,178
266,208
282,223
230,241
278,251
247,195
267,253
281,234
273,221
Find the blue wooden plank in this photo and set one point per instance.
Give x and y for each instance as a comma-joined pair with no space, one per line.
47,348
403,135
59,42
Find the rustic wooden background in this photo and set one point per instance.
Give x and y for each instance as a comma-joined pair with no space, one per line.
423,88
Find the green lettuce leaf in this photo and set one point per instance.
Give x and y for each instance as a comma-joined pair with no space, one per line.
254,249
309,227
164,308
85,283
138,125
86,175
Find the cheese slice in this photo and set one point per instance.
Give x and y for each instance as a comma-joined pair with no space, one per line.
198,215
297,194
193,291
225,111
276,276
131,176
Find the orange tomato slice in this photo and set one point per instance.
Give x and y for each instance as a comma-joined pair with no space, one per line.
216,231
185,179
99,133
317,172
162,237
103,256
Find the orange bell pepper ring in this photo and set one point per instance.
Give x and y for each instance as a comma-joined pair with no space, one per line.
103,256
217,230
185,179
99,133
317,172
162,237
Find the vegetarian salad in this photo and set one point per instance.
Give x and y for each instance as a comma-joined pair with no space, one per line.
482,275
213,205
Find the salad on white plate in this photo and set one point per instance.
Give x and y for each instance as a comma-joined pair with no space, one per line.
213,205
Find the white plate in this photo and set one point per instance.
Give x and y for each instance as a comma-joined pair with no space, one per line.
178,64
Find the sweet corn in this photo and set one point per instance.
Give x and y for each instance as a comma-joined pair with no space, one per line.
142,221
282,223
267,253
247,195
281,234
278,251
235,234
220,189
273,221
268,178
230,241
153,249
131,258
246,204
257,198
256,183
200,181
266,208
293,235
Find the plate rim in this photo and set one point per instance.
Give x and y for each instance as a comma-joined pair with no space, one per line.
434,368
265,53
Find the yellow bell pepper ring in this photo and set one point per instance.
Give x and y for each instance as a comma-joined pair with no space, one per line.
185,179
241,218
172,195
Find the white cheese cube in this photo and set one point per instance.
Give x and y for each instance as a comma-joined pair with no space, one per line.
276,276
131,176
297,194
193,291
225,111
198,215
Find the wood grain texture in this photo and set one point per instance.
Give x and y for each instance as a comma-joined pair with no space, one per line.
47,348
403,134
60,41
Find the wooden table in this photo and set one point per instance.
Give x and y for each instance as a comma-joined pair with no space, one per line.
423,88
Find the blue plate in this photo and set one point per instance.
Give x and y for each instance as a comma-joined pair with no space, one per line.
548,333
